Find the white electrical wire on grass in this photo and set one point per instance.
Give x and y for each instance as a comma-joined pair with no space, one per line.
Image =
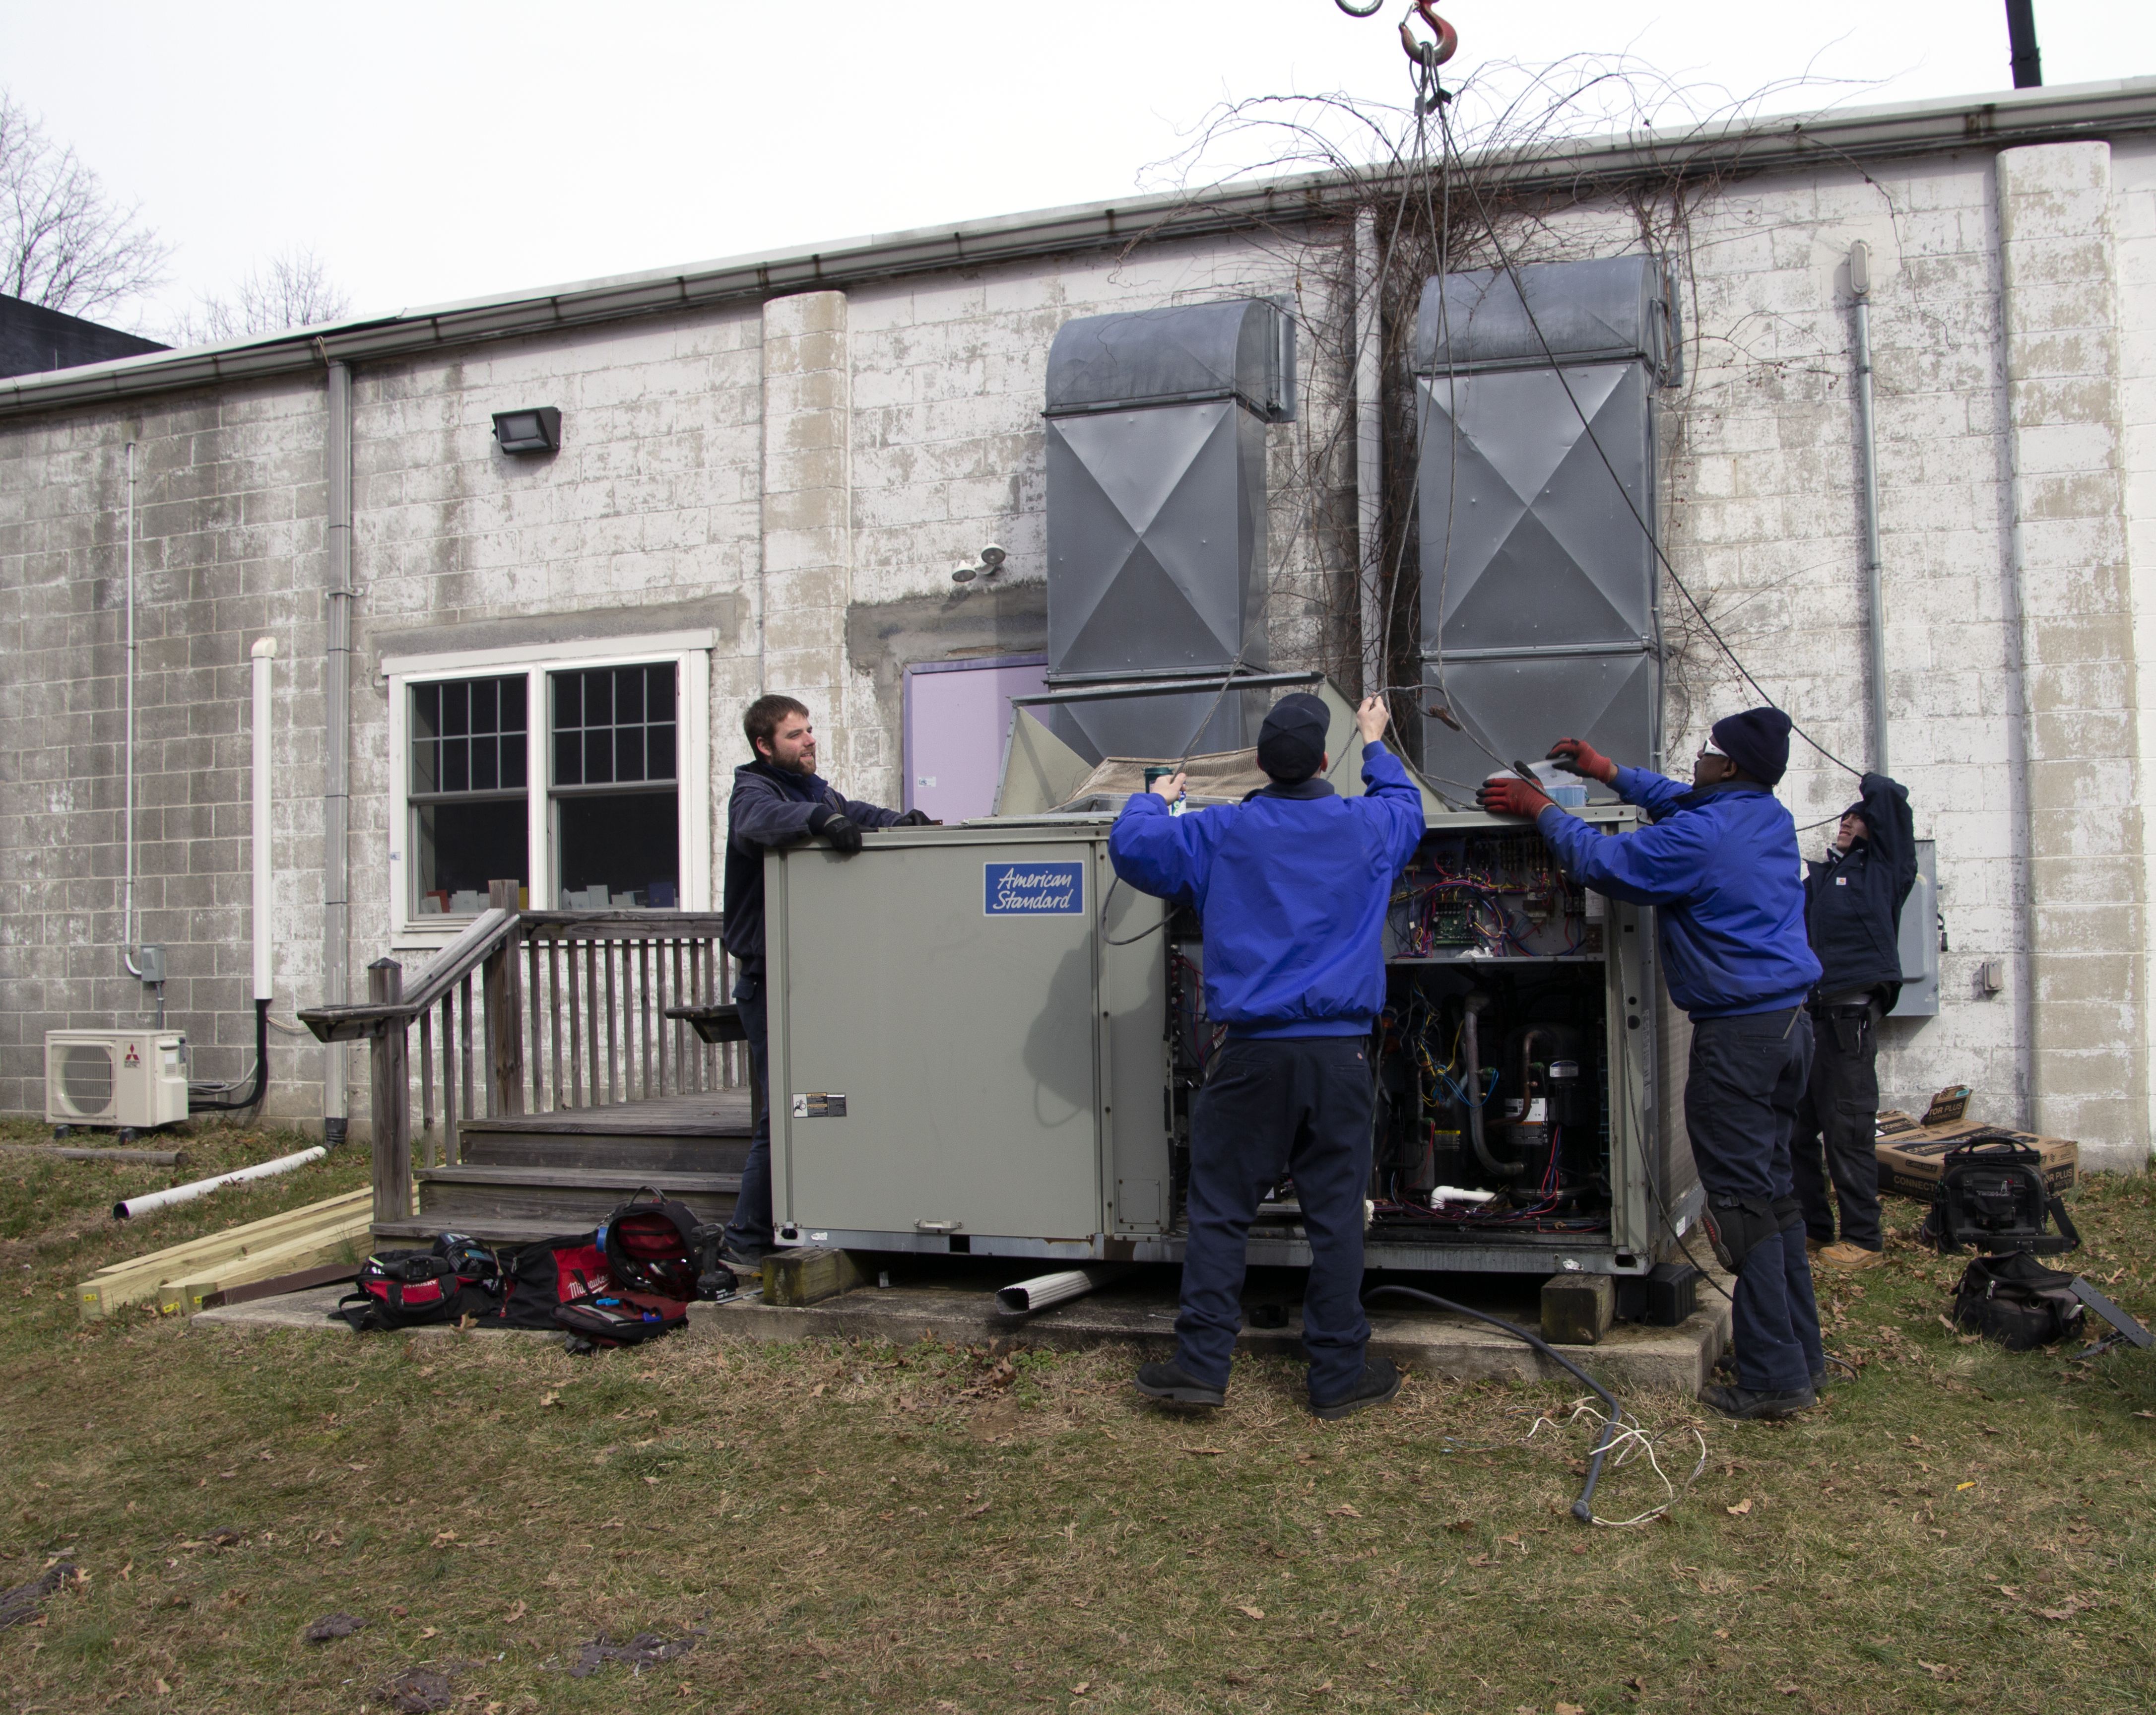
1633,1437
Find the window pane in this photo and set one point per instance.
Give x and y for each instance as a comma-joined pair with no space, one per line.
456,765
568,759
629,753
568,699
598,699
620,849
456,708
512,759
658,683
629,696
458,848
486,764
512,704
658,754
598,757
485,705
423,769
426,711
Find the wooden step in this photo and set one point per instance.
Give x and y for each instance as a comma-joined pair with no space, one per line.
570,1197
610,1152
421,1230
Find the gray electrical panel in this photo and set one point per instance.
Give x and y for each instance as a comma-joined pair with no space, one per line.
1919,939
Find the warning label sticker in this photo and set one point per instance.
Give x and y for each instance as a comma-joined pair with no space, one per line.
819,1106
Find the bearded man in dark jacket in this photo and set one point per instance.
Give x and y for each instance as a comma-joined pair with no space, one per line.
1853,900
778,799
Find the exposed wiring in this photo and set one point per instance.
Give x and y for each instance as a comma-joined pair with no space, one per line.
1582,1509
1633,1437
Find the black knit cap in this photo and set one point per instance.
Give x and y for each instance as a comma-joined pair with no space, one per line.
1757,741
1291,743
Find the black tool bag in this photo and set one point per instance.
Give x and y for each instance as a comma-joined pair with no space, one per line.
453,1278
619,1318
1992,1198
2017,1301
653,1243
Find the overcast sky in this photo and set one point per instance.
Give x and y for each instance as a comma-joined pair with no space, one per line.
432,152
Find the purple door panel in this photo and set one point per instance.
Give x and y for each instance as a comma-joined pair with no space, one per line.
958,722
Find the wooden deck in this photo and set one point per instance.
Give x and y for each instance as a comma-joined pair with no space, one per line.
717,1113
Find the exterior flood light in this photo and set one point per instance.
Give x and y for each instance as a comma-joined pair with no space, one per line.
535,431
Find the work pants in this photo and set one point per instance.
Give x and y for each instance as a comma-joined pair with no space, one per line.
1297,1105
1838,1119
1741,1093
750,1229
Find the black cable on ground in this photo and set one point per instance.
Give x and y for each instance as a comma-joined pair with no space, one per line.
1582,1509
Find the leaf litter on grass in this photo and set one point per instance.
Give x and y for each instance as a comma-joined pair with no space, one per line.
1082,1531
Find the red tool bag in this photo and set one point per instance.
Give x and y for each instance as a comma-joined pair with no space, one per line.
547,1274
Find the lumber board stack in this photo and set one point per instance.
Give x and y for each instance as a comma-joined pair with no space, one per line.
178,1278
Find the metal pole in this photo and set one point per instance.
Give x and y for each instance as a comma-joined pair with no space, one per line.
1369,474
337,745
127,813
2021,42
1859,285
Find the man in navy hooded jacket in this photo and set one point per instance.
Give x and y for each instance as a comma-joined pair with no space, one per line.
1721,865
778,799
1292,886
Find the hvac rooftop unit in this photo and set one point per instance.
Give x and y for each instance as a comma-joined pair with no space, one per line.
134,1079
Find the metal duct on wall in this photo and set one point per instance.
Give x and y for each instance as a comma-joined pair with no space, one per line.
1157,501
1540,601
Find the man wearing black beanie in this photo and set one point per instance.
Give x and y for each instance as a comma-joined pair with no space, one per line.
1720,864
1292,885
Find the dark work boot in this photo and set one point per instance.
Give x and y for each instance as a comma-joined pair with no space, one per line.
1381,1381
1166,1382
1747,1404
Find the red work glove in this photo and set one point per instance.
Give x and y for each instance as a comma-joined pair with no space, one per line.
1576,756
1508,795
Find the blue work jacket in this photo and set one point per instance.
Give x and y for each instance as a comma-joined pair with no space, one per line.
1722,866
1291,885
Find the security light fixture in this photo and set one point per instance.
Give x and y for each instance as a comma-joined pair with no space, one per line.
534,431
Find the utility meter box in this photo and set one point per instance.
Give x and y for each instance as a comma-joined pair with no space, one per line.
136,1079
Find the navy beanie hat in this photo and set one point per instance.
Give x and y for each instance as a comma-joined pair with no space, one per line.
1757,741
1291,743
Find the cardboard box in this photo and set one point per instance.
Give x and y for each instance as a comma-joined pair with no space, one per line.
1909,1160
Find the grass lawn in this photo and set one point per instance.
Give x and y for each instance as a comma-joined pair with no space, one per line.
851,1527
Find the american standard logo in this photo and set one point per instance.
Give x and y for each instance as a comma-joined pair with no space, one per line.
1036,890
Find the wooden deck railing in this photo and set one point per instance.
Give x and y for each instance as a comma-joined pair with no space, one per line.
533,1012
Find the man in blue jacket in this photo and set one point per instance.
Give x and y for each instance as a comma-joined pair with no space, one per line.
1720,863
1292,886
1853,904
778,799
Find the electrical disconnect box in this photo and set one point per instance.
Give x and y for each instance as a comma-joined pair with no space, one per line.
982,1043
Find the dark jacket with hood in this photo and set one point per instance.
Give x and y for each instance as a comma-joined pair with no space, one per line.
774,806
1853,899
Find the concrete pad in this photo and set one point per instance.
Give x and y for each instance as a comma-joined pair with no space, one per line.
1142,1313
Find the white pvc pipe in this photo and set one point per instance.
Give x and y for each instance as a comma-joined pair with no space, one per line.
1042,1291
264,656
156,1200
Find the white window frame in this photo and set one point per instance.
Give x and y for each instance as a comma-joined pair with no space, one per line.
690,652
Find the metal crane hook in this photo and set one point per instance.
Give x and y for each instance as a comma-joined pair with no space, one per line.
1355,11
1429,55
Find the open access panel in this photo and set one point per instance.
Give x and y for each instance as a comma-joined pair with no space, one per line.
981,1042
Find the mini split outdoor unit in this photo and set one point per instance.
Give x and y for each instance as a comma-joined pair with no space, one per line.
133,1079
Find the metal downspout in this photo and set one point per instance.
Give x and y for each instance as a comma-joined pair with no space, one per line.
127,812
1859,286
336,741
1369,474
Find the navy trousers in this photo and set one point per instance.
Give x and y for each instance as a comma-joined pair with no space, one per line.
1297,1105
750,1228
1747,1075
